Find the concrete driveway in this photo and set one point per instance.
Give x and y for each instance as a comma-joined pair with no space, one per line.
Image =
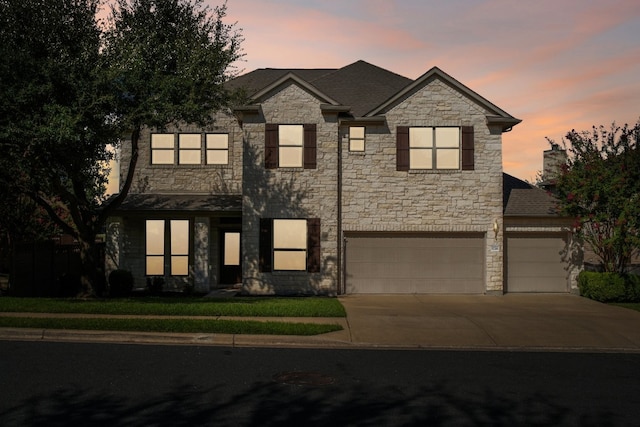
511,321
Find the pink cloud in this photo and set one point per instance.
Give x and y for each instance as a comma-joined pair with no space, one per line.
296,36
546,62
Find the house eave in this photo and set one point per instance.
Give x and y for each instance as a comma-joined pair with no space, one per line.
363,121
336,109
505,123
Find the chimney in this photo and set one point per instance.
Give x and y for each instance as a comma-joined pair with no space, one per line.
552,162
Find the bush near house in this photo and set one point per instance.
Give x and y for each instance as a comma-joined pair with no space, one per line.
609,287
120,283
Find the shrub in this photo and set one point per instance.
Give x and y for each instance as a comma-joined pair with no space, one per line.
120,283
609,287
70,285
155,284
603,287
632,287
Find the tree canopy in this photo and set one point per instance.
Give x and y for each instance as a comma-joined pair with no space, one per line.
600,188
71,87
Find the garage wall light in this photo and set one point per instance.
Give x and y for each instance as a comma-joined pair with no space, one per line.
496,228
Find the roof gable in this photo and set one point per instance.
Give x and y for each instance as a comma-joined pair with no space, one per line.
496,116
295,79
365,90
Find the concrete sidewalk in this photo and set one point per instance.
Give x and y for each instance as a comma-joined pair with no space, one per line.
510,322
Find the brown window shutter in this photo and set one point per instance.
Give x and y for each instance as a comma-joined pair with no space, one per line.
313,245
467,148
271,146
266,241
402,148
310,146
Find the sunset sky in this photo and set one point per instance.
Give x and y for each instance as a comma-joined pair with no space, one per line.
556,64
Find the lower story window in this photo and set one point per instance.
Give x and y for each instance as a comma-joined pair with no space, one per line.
167,244
290,244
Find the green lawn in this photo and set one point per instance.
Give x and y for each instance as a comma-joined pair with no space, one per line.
185,325
631,305
182,306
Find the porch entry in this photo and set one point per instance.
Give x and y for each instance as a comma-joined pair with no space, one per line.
231,265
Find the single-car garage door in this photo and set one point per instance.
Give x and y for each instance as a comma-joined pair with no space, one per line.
405,264
536,263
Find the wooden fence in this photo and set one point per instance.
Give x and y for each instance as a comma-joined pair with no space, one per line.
45,269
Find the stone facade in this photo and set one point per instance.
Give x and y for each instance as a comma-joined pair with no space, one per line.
349,192
188,179
377,197
127,251
289,193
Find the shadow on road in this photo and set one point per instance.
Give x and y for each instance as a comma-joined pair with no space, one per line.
303,404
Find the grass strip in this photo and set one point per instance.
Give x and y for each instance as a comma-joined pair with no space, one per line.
182,306
630,305
220,326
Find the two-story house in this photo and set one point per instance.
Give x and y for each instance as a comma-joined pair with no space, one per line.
330,181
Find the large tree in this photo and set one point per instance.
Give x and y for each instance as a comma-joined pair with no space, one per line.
600,187
72,87
52,113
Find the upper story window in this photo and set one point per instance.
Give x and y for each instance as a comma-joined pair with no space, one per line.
356,138
290,146
162,148
435,148
217,149
189,148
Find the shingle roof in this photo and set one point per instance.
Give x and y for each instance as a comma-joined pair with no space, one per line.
510,183
360,85
181,202
365,88
523,199
258,79
532,202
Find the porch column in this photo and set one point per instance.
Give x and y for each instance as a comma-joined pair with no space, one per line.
112,245
201,254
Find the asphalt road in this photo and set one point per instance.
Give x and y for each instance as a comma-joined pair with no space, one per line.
62,384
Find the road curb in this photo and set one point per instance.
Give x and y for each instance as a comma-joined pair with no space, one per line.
263,341
160,338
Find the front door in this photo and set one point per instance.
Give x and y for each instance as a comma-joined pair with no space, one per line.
231,271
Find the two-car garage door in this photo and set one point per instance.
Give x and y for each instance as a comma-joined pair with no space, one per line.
422,263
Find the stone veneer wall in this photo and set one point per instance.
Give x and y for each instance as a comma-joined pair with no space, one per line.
125,235
377,197
185,179
290,193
